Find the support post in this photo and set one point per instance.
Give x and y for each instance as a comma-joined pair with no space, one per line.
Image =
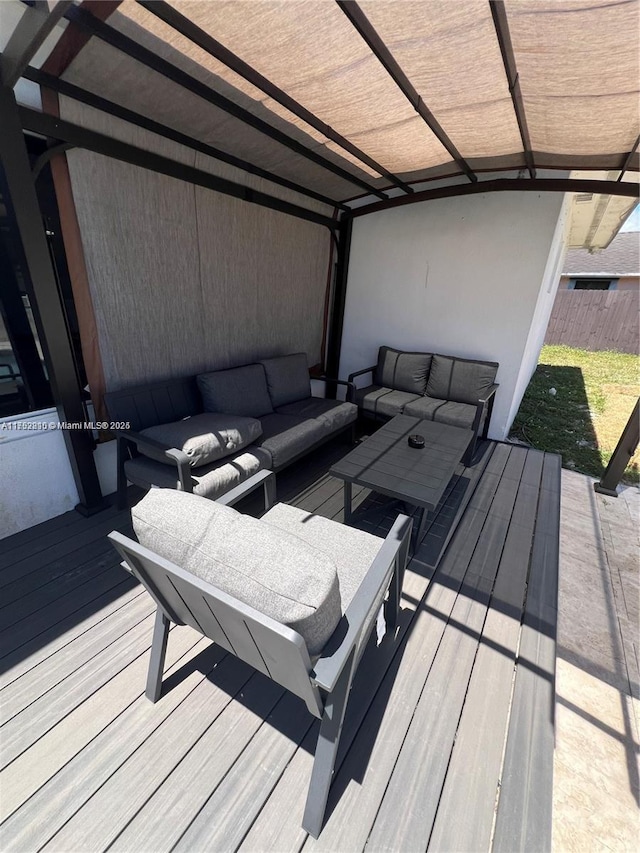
338,302
625,449
20,196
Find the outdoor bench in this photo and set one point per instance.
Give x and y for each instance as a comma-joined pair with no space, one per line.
209,433
429,386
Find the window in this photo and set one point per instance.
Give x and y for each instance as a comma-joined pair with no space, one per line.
593,284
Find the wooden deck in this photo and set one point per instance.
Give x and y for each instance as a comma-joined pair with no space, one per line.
448,743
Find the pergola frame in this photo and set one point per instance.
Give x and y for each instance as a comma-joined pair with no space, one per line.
14,63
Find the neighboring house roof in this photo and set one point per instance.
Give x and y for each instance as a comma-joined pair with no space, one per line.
622,257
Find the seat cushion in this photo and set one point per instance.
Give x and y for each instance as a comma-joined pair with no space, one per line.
207,437
268,568
460,379
404,371
208,481
351,550
442,411
287,436
287,378
333,413
383,402
238,391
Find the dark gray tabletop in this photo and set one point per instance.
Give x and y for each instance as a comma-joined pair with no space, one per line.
385,463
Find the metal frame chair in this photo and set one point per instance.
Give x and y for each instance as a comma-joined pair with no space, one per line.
274,649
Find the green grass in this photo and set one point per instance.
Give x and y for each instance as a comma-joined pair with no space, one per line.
595,394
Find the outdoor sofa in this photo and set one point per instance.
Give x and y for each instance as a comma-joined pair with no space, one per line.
209,433
429,386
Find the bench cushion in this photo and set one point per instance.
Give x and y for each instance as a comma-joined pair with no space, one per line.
287,436
404,371
268,568
238,391
460,379
431,409
351,550
209,481
287,378
383,402
207,437
335,414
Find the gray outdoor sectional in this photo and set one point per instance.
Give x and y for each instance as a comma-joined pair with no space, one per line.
429,386
209,433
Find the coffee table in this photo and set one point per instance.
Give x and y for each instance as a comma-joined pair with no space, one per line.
385,463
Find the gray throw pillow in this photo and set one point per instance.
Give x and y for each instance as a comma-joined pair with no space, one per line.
402,371
287,378
267,568
460,380
238,391
208,437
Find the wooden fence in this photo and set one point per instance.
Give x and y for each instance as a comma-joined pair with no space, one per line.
596,320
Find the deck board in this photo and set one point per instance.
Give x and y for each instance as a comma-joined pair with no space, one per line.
222,761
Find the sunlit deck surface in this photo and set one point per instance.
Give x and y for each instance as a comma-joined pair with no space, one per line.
448,743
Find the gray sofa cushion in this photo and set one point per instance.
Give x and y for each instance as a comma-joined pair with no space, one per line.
442,411
287,378
351,550
238,391
287,436
403,371
460,379
264,566
383,402
207,437
335,414
209,481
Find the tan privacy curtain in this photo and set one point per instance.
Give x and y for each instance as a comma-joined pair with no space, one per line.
184,279
577,63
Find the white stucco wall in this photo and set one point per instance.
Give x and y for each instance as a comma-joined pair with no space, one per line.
461,276
544,306
36,481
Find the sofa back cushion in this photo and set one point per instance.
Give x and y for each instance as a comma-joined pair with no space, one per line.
460,380
267,568
208,437
402,371
238,391
287,378
160,402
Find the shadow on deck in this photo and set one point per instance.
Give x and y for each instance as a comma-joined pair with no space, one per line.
448,742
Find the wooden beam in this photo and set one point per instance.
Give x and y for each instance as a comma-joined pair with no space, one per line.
28,37
170,15
364,27
506,49
73,40
558,185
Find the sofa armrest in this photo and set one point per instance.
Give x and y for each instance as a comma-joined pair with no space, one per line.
387,568
159,451
489,393
352,376
350,386
267,479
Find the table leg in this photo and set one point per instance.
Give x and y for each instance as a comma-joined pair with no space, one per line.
420,528
347,502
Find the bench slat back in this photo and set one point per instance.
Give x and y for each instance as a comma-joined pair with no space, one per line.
157,403
273,649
